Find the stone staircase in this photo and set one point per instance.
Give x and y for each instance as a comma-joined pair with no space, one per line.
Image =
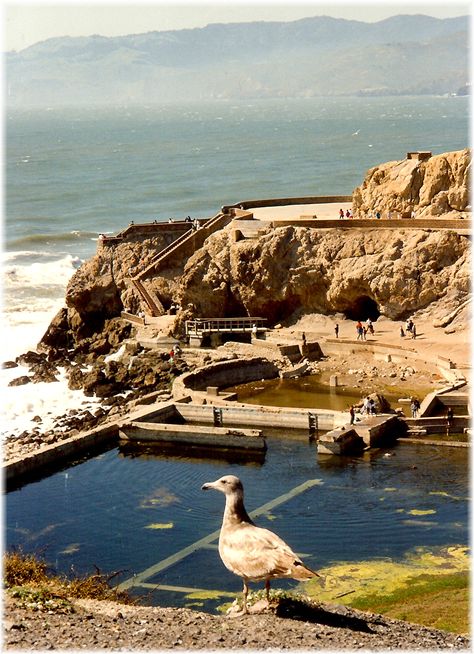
152,301
184,246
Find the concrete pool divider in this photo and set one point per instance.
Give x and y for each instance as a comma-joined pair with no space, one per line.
149,423
55,456
194,400
203,385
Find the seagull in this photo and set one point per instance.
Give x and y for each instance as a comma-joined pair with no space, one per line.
252,552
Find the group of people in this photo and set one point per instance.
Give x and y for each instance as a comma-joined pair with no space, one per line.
174,308
174,353
348,213
372,214
368,408
410,328
363,330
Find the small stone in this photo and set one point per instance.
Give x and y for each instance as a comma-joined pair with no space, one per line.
10,626
9,364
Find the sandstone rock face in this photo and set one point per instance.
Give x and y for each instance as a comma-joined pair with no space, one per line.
436,187
290,270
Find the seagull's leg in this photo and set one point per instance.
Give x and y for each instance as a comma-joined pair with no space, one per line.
267,590
244,596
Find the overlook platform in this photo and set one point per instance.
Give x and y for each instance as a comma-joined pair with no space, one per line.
197,330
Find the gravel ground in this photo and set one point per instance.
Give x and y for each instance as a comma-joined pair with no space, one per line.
105,625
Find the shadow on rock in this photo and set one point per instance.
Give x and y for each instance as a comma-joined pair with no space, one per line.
298,610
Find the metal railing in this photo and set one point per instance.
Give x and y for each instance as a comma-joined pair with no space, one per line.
201,326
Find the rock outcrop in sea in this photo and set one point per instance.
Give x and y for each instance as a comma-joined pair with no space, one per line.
288,271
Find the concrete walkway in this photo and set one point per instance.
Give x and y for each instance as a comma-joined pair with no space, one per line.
327,211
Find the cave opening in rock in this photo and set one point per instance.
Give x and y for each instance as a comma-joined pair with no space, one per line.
362,308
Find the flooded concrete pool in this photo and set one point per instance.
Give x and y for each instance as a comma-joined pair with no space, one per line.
313,391
130,509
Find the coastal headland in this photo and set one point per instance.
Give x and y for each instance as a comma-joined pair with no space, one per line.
404,253
294,262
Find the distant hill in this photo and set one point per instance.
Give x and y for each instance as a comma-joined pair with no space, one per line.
305,58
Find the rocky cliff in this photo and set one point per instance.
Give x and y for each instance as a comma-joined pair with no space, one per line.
438,186
288,271
294,270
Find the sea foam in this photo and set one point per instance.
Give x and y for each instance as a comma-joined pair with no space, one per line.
33,292
48,400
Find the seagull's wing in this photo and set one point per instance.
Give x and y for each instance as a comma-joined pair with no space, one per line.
256,553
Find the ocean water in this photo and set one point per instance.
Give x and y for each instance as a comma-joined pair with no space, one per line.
71,174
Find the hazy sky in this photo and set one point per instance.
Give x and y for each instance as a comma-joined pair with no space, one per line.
27,22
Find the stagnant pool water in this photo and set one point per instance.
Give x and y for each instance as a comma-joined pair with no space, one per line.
129,510
313,391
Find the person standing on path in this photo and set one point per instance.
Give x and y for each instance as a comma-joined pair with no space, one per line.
415,407
371,407
449,420
336,330
352,414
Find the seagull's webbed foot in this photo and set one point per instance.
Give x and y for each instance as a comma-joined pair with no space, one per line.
232,611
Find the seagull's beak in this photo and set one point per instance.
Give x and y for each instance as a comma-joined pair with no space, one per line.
206,486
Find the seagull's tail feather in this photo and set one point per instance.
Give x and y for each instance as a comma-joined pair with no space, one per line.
301,571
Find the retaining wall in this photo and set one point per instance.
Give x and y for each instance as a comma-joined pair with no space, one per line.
173,230
263,416
59,453
224,373
279,202
460,226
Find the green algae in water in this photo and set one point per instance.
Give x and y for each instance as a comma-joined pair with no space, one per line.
71,549
159,497
428,587
209,594
160,525
421,511
348,582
